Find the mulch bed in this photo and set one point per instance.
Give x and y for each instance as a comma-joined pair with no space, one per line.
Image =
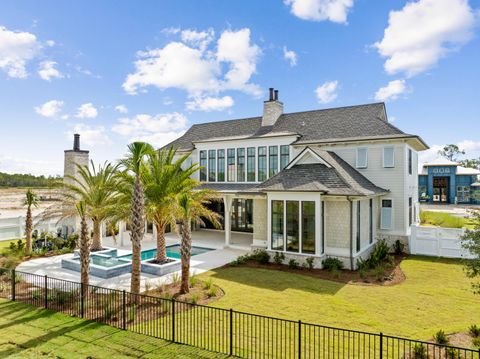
154,261
198,292
391,276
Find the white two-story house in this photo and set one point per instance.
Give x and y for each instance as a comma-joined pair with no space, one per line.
322,183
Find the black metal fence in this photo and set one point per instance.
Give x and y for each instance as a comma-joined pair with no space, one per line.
225,331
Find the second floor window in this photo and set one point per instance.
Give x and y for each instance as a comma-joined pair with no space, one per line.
240,164
388,157
273,160
262,164
221,165
362,158
251,164
211,166
284,156
203,165
410,161
231,165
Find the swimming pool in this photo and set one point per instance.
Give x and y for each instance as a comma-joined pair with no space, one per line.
173,251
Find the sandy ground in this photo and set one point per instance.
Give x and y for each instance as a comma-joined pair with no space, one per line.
11,201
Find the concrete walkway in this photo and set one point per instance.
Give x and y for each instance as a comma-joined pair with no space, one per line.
218,257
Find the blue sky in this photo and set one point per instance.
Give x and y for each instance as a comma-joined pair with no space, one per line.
117,71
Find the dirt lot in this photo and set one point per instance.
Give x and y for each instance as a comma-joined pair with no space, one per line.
11,201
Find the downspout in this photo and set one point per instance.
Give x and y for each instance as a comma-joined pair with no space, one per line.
351,232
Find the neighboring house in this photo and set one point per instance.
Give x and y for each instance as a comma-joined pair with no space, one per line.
316,183
445,181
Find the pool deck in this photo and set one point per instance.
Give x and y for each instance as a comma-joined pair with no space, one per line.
51,266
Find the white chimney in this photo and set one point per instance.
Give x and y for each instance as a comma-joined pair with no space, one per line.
272,109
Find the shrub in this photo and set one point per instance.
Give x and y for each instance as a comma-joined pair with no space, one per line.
71,242
379,253
452,353
240,260
310,261
212,292
208,284
279,257
193,281
332,264
292,264
440,337
148,286
194,298
261,256
474,330
108,311
398,247
419,351
476,342
175,278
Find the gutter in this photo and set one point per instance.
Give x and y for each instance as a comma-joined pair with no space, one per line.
351,232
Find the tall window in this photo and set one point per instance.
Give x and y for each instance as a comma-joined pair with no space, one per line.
240,164
277,225
273,160
410,211
284,156
410,160
231,165
323,227
386,215
359,206
211,165
370,216
388,157
221,165
262,164
203,165
293,227
362,158
308,227
251,164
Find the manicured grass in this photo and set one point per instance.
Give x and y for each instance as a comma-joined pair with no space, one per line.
6,244
26,332
435,295
443,219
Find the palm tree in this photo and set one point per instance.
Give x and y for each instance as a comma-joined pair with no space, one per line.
97,187
30,200
193,208
135,164
163,179
84,247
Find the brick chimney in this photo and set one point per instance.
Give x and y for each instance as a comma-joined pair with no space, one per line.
272,109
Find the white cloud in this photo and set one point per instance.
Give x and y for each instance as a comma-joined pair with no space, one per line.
327,92
197,66
14,164
469,146
209,103
472,149
121,109
157,130
87,110
50,43
47,71
91,135
422,32
320,10
16,49
290,56
49,109
391,92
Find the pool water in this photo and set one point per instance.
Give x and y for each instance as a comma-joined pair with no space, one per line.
172,252
106,262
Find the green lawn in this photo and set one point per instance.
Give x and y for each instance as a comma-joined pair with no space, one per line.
436,295
26,332
443,219
6,244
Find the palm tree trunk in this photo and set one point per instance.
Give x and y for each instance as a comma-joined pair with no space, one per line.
28,230
185,253
97,236
161,246
137,232
84,255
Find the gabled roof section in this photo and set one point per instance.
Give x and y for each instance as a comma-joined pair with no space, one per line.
360,122
334,177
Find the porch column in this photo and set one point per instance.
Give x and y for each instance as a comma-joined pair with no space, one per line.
227,202
121,226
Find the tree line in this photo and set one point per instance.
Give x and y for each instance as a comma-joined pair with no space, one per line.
27,180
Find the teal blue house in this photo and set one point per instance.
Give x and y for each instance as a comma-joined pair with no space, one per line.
444,181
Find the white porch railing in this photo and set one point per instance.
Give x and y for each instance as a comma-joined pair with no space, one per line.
437,241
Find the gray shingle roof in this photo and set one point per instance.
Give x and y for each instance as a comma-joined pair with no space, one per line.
230,187
352,122
339,179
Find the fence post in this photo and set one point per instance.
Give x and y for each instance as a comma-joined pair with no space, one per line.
46,292
299,339
231,331
13,284
82,300
173,320
124,310
381,345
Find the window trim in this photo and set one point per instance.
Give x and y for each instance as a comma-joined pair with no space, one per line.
366,157
393,157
